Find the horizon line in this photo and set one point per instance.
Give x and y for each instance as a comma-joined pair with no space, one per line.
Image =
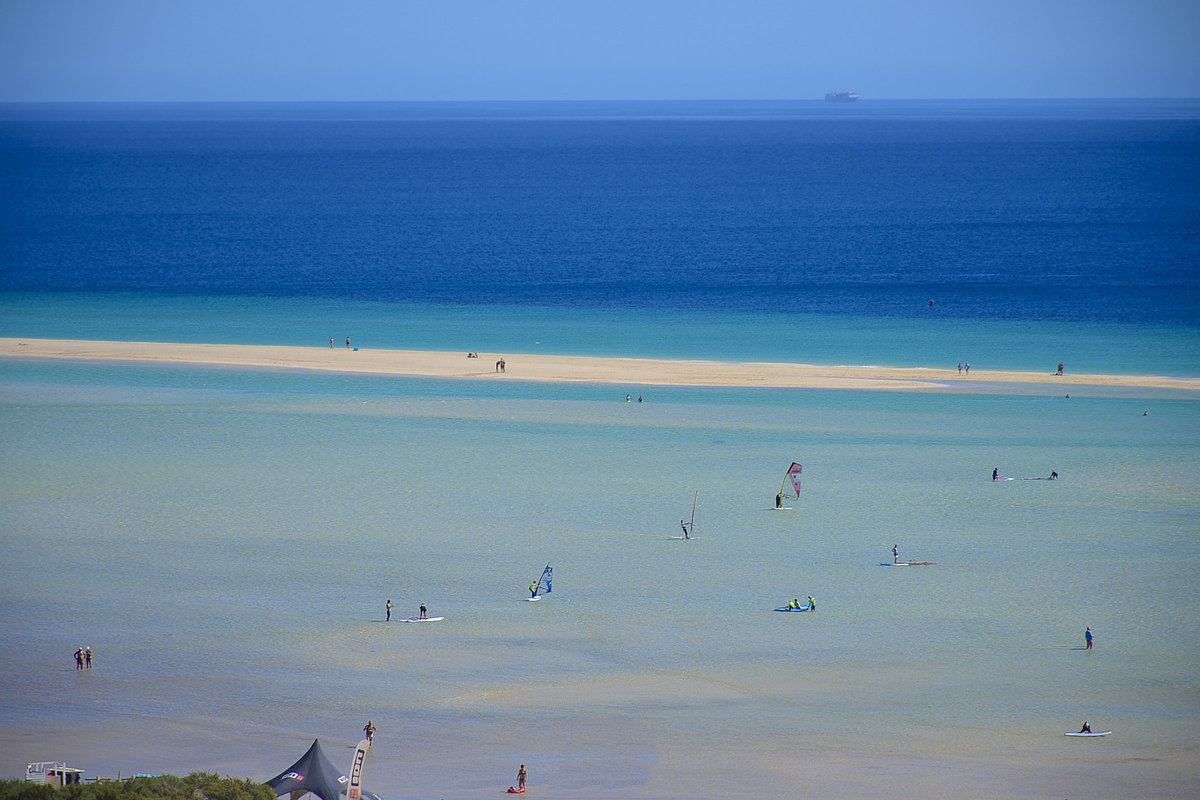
805,99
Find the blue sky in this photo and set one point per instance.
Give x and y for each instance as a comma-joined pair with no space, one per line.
180,50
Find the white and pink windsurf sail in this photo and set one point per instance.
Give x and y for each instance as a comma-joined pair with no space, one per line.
791,483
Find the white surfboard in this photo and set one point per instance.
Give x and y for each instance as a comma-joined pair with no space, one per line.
1085,735
426,619
534,599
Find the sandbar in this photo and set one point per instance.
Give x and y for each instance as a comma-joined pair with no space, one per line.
572,369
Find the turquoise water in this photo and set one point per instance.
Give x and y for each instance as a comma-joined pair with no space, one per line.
225,542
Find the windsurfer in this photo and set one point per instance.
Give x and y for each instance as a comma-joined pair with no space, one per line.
779,500
533,589
683,525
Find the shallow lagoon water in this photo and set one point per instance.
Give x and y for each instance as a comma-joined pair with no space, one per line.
225,542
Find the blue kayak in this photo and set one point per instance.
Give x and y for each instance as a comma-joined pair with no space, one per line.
801,608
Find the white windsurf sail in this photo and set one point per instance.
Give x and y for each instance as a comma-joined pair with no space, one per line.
791,483
690,527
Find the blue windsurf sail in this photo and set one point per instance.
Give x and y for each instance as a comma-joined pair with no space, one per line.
543,584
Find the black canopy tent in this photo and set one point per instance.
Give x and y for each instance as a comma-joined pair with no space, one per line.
315,773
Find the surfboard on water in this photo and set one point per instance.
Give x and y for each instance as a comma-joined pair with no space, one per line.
907,563
999,478
1084,735
426,619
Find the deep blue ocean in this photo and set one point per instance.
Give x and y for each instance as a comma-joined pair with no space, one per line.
629,219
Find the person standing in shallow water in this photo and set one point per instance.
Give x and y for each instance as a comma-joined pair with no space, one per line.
521,775
1087,638
389,610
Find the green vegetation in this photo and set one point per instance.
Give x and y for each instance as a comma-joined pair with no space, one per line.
197,786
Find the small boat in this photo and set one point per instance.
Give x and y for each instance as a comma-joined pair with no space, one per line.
841,97
794,608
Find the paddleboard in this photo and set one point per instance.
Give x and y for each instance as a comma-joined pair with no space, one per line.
1002,478
1088,735
680,538
427,619
783,508
907,563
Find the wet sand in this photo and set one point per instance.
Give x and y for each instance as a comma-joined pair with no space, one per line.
575,369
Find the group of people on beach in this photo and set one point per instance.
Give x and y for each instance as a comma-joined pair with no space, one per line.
83,658
347,342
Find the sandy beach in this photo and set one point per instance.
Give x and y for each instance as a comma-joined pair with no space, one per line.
577,369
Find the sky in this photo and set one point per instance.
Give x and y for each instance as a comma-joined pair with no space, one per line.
389,50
